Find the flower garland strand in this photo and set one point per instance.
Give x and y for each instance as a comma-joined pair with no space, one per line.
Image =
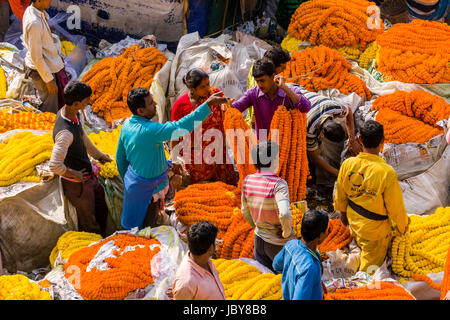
379,290
107,143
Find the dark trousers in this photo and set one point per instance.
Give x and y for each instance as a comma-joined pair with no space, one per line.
265,252
89,200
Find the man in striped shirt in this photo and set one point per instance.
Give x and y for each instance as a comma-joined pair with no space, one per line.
266,205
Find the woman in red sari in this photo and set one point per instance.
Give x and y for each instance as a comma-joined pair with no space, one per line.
197,81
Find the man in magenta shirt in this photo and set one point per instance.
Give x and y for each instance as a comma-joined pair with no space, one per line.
271,91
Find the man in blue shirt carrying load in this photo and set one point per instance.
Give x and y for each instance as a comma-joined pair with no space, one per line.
300,261
140,156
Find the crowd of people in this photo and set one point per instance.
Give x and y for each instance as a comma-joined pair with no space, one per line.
368,196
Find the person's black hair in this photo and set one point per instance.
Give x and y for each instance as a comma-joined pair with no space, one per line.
314,222
264,153
333,131
76,91
201,236
277,55
371,133
263,67
194,78
136,99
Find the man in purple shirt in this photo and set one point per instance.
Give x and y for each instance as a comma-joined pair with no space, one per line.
271,91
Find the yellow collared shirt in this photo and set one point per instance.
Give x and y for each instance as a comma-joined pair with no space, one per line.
371,183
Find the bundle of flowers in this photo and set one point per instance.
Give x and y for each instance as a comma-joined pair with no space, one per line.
379,290
368,55
70,242
411,116
3,84
324,68
19,287
297,216
290,43
67,47
112,78
288,130
423,248
243,281
335,23
241,137
238,241
20,154
107,143
350,52
416,52
338,237
213,202
26,120
112,268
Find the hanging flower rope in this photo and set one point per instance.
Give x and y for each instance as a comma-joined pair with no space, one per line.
379,290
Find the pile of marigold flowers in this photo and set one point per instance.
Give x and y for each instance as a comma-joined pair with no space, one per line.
70,242
288,130
334,23
19,287
411,116
378,290
416,52
368,55
20,154
444,286
106,276
423,248
243,281
26,120
241,137
338,237
324,68
112,78
107,143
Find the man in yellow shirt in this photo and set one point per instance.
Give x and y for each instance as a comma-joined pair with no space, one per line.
369,198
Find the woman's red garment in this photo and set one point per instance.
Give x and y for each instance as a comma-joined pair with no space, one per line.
205,172
18,7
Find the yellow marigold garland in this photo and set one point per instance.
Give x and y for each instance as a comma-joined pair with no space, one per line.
416,52
107,143
424,247
368,55
3,84
26,120
19,287
21,153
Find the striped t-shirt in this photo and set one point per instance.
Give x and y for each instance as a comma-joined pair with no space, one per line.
260,193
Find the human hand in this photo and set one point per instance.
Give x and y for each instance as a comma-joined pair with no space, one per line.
447,296
280,81
354,146
105,158
169,293
216,99
52,88
77,175
344,219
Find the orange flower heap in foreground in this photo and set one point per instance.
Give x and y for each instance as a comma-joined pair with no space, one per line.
379,290
112,78
26,120
324,68
416,52
334,23
338,237
411,116
241,137
117,275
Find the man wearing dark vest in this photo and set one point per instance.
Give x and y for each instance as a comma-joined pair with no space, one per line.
70,161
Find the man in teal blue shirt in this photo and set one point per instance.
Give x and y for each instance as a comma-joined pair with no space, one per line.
300,261
140,156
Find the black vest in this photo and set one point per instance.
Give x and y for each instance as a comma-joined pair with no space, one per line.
77,157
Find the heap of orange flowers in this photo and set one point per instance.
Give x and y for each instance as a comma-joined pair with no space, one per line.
334,23
379,290
324,68
241,137
416,52
26,120
338,237
411,116
127,270
213,202
288,130
112,78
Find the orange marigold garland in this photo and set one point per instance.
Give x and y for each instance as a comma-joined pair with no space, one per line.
117,275
239,239
26,120
338,237
379,290
416,52
334,23
411,116
324,68
238,131
112,78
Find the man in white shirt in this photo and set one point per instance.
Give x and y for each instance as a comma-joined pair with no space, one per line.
43,60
